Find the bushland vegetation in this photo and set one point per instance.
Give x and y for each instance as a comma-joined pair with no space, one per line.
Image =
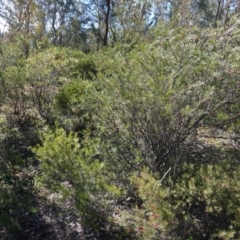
120,120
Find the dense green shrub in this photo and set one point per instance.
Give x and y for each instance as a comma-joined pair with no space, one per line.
159,95
206,200
48,70
201,204
75,172
77,105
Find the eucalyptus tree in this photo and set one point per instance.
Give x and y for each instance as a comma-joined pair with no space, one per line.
204,13
25,23
62,20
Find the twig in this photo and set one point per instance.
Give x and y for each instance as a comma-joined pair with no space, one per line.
158,182
164,176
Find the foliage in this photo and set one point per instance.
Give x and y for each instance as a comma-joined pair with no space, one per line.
201,204
153,219
158,95
29,86
48,70
16,176
77,104
140,139
76,173
206,200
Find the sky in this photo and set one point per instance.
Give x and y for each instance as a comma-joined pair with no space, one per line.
2,25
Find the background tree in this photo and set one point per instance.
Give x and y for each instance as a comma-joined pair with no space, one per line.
25,23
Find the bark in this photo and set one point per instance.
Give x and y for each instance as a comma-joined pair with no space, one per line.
107,17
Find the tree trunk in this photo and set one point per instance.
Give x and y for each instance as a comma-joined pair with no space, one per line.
107,17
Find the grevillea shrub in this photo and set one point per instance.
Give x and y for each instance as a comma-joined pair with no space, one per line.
203,203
